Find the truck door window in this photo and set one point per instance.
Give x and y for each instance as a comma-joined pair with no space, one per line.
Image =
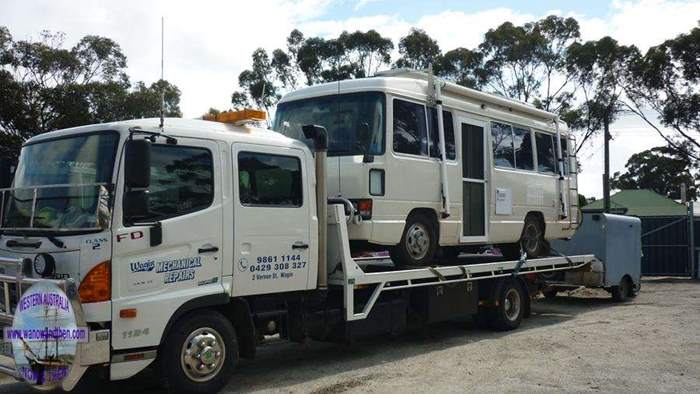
182,181
410,131
545,152
502,143
269,180
435,135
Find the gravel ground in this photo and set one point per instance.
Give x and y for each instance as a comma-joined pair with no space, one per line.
578,342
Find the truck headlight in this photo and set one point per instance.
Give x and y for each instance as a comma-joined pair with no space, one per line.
44,265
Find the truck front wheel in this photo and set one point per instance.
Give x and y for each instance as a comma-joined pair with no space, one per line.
199,354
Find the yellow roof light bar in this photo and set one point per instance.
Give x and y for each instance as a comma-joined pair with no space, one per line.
238,117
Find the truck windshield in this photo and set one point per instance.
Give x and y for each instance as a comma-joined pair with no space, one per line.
354,122
62,184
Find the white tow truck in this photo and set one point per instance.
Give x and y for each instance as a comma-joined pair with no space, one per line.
181,246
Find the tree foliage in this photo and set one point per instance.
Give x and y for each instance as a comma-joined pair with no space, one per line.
666,80
45,86
600,67
528,62
418,51
662,169
350,55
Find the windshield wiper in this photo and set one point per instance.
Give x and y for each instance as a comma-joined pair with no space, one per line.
56,241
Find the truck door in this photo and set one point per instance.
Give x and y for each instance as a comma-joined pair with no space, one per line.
474,183
272,215
185,199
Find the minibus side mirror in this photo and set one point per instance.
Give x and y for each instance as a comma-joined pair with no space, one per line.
364,135
137,164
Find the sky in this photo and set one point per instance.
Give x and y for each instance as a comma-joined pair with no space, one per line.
208,43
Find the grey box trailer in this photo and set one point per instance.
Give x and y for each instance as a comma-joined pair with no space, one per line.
616,241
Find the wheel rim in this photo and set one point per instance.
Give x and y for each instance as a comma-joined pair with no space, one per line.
511,304
417,241
203,354
531,237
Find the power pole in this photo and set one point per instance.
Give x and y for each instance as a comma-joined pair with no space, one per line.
606,174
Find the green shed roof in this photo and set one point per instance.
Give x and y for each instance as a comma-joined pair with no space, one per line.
640,203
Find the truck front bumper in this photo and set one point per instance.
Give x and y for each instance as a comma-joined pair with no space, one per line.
95,351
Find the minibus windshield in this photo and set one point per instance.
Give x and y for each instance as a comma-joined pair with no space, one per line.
354,122
62,183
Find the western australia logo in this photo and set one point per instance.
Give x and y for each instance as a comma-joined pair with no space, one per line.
142,266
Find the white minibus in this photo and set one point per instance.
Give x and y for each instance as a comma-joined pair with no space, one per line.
506,175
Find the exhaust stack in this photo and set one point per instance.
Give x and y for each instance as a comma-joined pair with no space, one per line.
320,137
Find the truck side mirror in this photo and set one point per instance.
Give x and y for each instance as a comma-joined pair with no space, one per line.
6,167
137,164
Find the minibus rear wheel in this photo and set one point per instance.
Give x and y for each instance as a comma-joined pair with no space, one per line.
532,237
418,243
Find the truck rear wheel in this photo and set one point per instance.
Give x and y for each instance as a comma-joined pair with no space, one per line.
199,354
509,308
418,243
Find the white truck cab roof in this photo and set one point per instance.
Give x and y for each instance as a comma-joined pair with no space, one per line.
186,128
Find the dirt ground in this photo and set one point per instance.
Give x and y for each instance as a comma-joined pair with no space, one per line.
579,342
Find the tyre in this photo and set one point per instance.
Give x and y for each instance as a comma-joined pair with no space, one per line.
510,307
635,290
622,291
532,237
418,243
199,354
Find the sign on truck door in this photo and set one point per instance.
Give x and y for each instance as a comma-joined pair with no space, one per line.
272,217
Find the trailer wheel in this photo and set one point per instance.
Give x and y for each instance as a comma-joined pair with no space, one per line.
510,306
418,242
623,291
199,354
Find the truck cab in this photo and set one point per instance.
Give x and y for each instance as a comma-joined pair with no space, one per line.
150,222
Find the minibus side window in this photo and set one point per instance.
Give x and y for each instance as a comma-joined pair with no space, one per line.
182,181
523,148
410,131
502,143
545,153
269,180
450,151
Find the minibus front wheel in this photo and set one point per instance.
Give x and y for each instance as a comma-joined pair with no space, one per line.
418,243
